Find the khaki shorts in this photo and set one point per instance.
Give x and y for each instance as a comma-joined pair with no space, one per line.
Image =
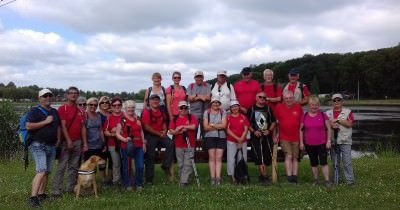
290,148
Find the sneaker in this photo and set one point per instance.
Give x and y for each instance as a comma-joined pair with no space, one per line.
217,181
139,189
183,185
289,179
33,202
213,181
166,170
294,179
316,182
129,188
42,197
328,184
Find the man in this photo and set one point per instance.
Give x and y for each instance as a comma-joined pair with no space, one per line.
341,121
74,142
300,90
223,90
262,128
288,115
155,132
43,124
199,98
272,90
246,90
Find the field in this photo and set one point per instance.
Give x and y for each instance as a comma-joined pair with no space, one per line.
377,187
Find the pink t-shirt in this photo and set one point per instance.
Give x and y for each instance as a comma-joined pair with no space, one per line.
314,129
177,95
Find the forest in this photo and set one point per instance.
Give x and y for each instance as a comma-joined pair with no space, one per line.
375,72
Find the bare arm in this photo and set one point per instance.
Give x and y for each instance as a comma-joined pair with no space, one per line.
146,93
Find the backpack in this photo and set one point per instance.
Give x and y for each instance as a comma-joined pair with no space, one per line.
149,93
191,86
240,172
227,83
24,135
172,91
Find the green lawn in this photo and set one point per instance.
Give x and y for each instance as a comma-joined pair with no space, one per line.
377,187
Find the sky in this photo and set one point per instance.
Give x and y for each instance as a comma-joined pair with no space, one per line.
115,46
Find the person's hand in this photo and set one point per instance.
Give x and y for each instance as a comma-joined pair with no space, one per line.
144,148
276,139
70,145
84,148
301,146
328,145
258,133
49,119
266,132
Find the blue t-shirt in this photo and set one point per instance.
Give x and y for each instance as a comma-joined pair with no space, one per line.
48,133
93,127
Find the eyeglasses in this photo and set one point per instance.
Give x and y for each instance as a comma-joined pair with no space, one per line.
47,95
73,93
337,100
116,105
82,104
183,108
105,102
176,77
93,105
262,97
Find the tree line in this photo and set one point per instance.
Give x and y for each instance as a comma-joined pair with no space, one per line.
375,72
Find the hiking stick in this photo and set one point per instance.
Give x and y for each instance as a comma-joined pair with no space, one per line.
337,155
196,175
274,165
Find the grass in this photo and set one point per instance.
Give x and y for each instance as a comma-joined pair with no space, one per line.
377,187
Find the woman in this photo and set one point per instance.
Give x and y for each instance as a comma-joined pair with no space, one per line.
104,108
272,90
183,127
175,93
156,89
315,135
237,127
110,128
129,132
214,121
81,101
94,133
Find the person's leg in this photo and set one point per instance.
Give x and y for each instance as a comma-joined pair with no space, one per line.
218,163
150,155
50,157
180,157
139,167
39,156
58,178
211,162
295,163
187,165
169,152
116,165
73,166
313,156
230,158
125,168
347,163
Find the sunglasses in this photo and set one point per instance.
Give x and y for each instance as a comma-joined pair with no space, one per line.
83,104
105,102
262,97
93,105
183,108
47,95
176,77
246,73
73,93
116,105
337,100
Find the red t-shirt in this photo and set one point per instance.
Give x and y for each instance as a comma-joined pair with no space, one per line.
246,92
111,122
177,95
157,120
270,92
289,121
180,142
336,114
135,128
236,124
67,112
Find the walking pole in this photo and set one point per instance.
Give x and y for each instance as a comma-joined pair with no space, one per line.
337,155
196,175
274,165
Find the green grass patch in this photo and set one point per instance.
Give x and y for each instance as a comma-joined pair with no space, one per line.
377,187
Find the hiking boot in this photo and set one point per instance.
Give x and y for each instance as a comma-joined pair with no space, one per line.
33,202
316,182
294,179
139,189
129,188
328,184
183,185
217,181
289,179
213,181
42,197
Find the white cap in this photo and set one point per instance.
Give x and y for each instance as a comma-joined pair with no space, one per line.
198,73
215,99
234,102
222,72
337,95
42,92
182,103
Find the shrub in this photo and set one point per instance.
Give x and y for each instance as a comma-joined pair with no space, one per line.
9,143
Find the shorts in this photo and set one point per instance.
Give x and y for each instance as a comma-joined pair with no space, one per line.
318,154
290,148
214,143
43,155
261,150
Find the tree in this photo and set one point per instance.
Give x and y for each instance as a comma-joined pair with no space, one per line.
314,86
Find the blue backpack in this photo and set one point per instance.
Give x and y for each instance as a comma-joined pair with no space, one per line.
23,133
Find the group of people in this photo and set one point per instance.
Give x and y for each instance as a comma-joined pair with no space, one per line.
227,117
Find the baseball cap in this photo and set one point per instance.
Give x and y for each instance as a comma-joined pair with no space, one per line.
215,99
154,96
294,71
234,102
198,73
246,70
222,72
42,92
337,95
182,103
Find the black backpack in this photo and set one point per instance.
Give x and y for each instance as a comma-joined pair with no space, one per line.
241,172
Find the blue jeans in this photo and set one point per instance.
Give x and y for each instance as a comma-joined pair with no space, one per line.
43,155
343,152
138,156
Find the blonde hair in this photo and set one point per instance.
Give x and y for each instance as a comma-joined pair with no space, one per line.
92,99
129,103
268,70
314,99
105,98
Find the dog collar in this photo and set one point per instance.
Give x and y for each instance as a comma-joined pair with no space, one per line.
86,172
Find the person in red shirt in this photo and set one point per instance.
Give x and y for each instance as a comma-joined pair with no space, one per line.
183,128
236,129
129,132
110,128
246,90
272,90
155,132
300,90
288,115
74,133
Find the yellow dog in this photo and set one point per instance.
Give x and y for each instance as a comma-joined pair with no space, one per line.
87,175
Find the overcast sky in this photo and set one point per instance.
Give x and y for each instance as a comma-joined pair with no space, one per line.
116,45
